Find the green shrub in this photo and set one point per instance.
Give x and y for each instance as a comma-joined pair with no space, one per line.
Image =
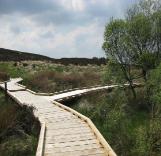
25,64
11,70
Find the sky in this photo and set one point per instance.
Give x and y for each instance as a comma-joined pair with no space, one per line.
58,28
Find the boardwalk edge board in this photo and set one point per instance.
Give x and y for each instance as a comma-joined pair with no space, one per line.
41,140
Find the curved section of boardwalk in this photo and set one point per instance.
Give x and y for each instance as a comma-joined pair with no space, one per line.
66,133
78,92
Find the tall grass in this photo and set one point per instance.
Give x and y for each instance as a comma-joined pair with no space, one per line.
50,81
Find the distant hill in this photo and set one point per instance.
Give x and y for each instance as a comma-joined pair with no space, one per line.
81,61
13,55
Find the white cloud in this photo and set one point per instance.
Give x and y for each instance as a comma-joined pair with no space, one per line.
78,5
64,28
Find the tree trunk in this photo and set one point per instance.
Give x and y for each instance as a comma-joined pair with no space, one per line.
127,77
132,89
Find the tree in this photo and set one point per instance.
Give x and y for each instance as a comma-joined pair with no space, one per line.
144,33
136,40
140,41
117,48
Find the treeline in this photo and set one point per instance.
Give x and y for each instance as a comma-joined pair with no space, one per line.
12,55
81,61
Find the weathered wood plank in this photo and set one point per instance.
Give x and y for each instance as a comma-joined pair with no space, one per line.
94,151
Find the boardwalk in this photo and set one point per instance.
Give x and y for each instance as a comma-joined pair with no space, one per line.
67,134
78,92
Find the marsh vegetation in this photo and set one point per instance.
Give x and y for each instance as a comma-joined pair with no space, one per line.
19,129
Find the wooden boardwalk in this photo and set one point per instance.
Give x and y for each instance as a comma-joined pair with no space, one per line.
78,92
66,132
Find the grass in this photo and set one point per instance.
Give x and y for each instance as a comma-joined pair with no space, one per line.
19,129
12,71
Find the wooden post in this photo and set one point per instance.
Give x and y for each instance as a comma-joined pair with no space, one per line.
5,86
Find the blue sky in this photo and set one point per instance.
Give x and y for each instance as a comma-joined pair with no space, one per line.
58,28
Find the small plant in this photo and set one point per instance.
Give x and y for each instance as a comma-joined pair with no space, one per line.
15,64
33,66
25,64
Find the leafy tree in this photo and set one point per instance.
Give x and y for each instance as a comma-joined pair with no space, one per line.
130,44
113,73
136,40
117,48
144,34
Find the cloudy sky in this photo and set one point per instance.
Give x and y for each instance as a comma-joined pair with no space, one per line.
58,28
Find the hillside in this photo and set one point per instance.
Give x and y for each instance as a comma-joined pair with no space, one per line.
13,55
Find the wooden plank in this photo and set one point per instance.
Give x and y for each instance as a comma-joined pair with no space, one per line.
69,139
94,151
63,132
78,135
57,115
71,144
64,121
70,129
58,118
73,148
40,146
66,126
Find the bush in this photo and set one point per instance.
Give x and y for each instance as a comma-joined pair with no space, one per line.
4,76
15,64
25,64
33,66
